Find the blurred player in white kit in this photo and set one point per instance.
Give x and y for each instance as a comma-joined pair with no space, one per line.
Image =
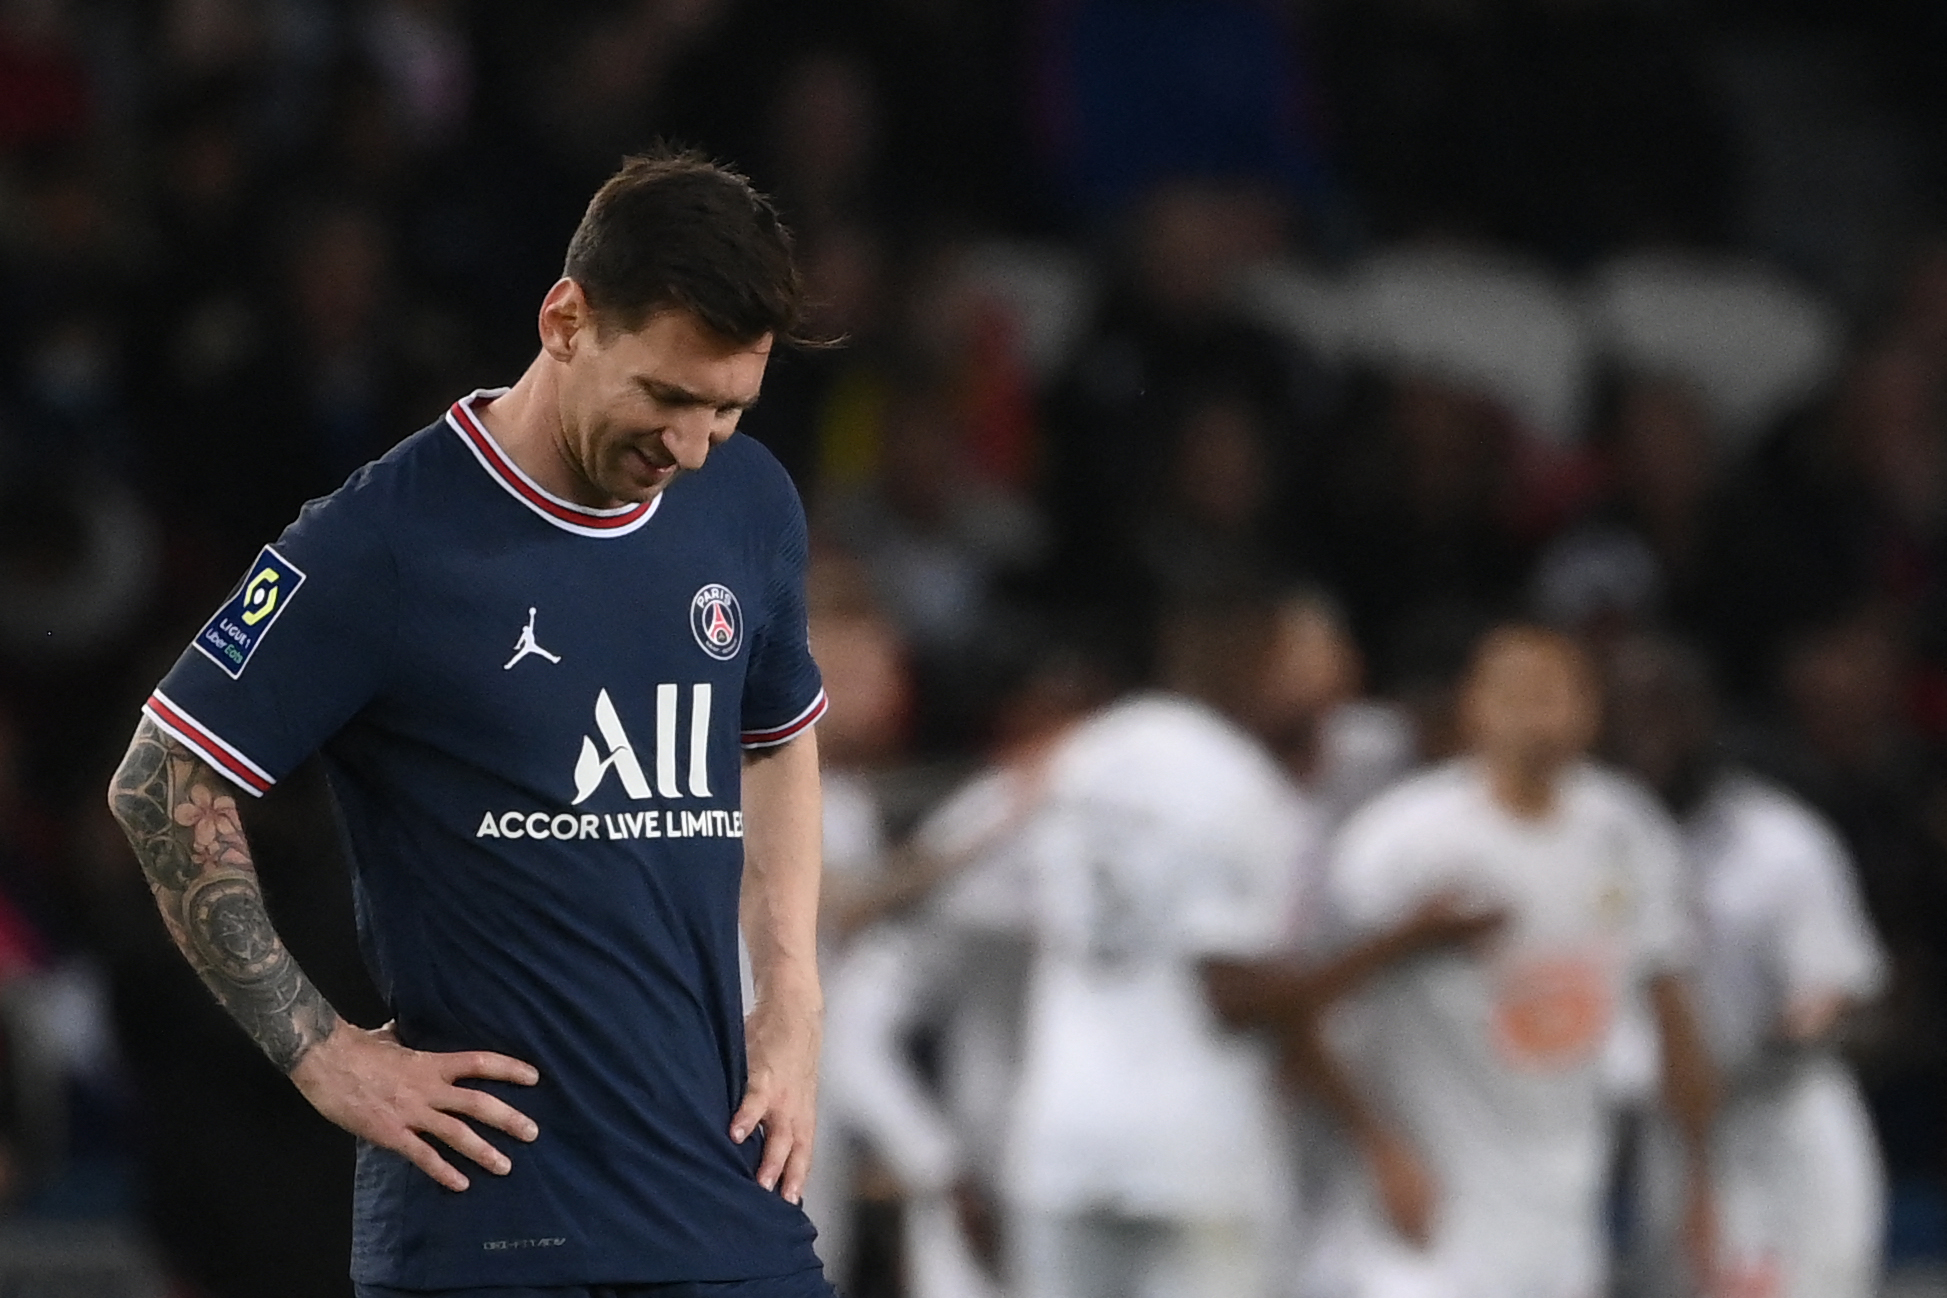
1786,950
943,952
1141,1151
1472,1082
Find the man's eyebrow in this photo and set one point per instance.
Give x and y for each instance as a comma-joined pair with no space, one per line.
676,395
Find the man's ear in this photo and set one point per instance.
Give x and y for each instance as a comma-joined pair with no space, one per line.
566,320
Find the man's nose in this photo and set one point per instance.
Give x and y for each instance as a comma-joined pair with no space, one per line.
688,439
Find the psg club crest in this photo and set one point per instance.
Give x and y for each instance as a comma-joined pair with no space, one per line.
717,622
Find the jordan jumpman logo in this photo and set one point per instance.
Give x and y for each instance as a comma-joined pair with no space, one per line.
527,645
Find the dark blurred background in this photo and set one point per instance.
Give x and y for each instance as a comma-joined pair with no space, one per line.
1610,312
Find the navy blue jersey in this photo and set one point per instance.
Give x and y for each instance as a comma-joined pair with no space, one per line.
531,714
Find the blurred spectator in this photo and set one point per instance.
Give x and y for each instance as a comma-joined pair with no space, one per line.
1166,340
1423,506
200,338
422,50
1642,553
80,580
912,317
67,265
206,194
347,344
77,571
268,397
1850,749
940,543
1217,512
822,410
1786,953
825,145
1848,504
1423,666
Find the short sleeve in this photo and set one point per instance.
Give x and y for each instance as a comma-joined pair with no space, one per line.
298,648
783,693
1826,943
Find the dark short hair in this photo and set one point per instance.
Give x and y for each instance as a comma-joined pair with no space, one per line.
672,229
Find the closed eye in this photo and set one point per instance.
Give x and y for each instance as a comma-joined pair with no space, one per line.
669,395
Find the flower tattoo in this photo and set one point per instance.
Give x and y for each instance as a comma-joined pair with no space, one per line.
217,830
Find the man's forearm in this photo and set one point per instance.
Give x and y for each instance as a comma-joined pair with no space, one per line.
781,869
1690,1082
181,818
780,922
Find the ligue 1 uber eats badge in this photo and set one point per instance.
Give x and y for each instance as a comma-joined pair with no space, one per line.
229,638
717,622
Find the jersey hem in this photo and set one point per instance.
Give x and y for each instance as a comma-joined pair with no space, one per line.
207,744
438,1270
789,730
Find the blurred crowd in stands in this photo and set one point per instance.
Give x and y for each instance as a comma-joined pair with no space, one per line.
1177,330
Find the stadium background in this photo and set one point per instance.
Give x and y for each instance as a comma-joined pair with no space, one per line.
1614,312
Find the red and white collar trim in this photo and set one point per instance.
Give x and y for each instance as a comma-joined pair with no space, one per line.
564,514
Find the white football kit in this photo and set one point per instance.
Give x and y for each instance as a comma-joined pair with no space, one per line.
955,969
1365,746
1490,1061
1801,1199
1141,1146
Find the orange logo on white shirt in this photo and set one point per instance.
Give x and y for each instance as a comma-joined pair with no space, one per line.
1552,1012
1759,1279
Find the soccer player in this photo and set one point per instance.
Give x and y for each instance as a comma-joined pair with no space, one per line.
552,650
1474,1086
1141,1147
1787,951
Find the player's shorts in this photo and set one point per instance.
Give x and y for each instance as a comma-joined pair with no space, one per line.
803,1284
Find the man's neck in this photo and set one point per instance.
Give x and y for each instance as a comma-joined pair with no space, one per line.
1526,791
525,424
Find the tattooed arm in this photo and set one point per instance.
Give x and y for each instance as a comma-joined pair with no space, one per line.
182,821
181,818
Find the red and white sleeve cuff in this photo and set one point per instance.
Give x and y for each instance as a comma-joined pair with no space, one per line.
206,744
791,729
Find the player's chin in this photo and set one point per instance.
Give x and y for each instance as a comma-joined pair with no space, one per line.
642,479
636,484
